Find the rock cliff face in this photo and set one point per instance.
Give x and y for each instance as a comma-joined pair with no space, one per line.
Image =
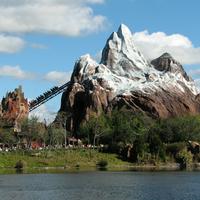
166,63
160,89
14,107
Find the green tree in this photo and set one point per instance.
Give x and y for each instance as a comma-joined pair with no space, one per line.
156,146
32,130
128,127
7,137
179,129
56,135
95,129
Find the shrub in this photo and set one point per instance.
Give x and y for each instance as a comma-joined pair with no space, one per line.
20,164
174,148
185,158
102,163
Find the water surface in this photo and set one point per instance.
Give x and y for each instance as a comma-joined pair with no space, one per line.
101,186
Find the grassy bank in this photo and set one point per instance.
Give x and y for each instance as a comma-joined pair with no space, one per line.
59,158
59,161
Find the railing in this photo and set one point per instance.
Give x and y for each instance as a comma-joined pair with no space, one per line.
46,96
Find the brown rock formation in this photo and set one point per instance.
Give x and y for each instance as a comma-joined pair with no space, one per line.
161,104
79,102
14,107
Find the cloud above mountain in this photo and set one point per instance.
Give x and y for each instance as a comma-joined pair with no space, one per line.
152,45
61,17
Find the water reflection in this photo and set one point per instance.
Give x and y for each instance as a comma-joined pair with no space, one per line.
102,168
19,171
101,185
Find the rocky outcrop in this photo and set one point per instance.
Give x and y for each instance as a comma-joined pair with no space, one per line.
160,89
161,104
166,63
81,101
14,107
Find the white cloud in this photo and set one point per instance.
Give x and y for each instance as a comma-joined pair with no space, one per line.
15,72
43,113
63,17
38,46
53,76
154,44
59,77
10,44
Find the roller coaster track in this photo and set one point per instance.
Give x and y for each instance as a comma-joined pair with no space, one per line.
46,96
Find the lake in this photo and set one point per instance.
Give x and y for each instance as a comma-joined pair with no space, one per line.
101,186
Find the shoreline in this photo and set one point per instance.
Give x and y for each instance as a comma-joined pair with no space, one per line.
172,167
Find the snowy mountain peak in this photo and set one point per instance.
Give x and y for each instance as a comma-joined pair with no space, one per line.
123,69
124,32
121,55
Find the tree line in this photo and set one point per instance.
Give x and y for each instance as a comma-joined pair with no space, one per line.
32,131
133,136
139,138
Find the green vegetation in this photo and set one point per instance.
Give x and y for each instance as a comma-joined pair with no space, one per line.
82,158
120,138
140,139
185,158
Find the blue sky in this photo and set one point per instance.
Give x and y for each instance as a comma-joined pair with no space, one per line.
41,39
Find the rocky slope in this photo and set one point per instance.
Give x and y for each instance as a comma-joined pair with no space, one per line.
160,89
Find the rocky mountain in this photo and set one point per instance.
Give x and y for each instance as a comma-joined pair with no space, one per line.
14,107
124,78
